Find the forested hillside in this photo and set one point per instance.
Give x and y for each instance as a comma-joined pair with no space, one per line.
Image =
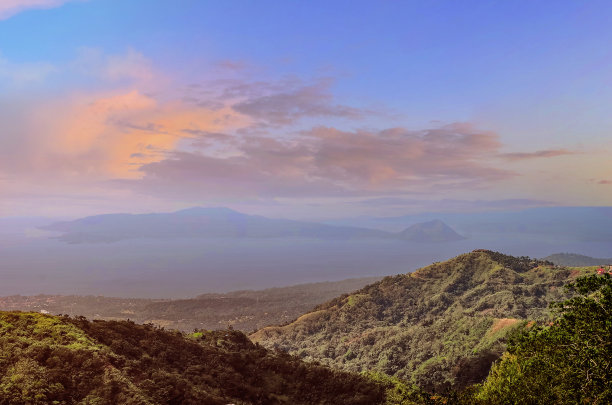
440,327
568,361
413,336
59,360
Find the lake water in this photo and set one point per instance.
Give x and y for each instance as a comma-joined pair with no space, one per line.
188,267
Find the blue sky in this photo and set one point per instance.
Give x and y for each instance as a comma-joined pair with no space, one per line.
110,105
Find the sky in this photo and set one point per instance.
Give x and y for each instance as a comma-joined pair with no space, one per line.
298,109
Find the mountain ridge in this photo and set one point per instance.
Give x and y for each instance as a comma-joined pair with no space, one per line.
214,222
429,326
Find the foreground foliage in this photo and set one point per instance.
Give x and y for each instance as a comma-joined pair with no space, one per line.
569,362
60,360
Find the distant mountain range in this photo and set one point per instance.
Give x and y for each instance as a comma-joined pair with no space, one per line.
226,223
573,259
587,224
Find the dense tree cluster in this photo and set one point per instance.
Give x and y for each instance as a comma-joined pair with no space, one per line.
568,362
439,328
61,360
425,338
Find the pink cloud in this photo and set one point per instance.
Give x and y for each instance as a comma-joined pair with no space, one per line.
285,103
330,162
233,138
517,156
89,138
9,8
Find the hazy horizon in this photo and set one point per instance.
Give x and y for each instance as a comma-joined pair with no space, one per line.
306,111
488,117
170,266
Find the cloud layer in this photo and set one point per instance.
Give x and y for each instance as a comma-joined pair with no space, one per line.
228,136
9,8
326,161
518,156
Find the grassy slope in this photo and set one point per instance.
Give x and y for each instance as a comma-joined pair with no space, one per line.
439,327
45,359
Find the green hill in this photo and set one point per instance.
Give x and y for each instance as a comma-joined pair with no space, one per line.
60,360
440,327
569,361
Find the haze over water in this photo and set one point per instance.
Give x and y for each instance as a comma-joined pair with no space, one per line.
336,112
188,267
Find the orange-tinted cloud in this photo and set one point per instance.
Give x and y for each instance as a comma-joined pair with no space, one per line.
93,137
228,138
330,162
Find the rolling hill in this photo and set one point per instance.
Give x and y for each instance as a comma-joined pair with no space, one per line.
61,360
440,327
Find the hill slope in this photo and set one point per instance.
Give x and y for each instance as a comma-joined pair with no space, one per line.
46,359
439,327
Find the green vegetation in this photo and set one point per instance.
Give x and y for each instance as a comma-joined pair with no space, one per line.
439,328
425,338
61,360
569,362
